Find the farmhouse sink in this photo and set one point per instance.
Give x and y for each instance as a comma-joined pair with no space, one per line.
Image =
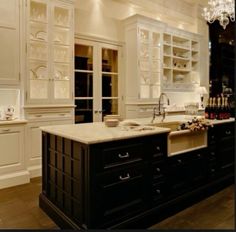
173,126
183,140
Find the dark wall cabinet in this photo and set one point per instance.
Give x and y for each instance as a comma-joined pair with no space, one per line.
118,184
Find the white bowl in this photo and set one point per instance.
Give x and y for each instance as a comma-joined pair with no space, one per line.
112,116
111,122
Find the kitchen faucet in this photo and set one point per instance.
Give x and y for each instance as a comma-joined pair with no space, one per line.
158,111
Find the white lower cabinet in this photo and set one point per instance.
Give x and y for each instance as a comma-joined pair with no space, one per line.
36,119
13,169
34,145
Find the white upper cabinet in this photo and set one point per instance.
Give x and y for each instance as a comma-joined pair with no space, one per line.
159,58
50,44
144,55
180,61
9,42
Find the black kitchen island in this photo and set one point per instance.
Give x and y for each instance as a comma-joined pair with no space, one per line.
129,182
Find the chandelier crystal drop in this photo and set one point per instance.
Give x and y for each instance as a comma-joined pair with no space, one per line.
222,10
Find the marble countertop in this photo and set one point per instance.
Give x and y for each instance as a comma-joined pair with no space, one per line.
11,122
91,133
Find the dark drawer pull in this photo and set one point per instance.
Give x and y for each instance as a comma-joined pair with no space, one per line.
124,156
125,177
158,191
228,132
158,169
158,148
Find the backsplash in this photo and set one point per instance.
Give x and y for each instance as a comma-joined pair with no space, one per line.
9,100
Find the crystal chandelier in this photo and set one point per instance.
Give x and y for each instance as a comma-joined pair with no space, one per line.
223,10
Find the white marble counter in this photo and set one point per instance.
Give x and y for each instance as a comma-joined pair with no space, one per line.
11,122
91,133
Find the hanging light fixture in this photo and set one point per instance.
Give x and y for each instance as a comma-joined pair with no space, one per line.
222,10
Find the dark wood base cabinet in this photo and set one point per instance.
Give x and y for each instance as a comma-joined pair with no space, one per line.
130,183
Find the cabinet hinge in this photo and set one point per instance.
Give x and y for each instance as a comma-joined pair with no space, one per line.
19,76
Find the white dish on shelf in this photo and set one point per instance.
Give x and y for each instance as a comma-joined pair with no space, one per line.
57,40
31,36
41,72
58,75
42,35
32,75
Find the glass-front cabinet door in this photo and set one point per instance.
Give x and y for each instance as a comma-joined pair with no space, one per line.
96,81
84,73
109,80
49,52
38,67
149,47
62,52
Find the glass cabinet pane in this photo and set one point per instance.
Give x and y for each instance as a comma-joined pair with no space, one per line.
61,16
109,85
84,111
109,106
109,60
83,84
38,80
83,57
38,11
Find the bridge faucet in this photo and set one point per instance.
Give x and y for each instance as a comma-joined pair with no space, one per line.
159,112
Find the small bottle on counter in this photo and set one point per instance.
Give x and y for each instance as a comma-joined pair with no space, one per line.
213,108
207,109
218,110
222,110
227,109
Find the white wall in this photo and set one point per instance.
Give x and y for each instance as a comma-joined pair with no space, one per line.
102,18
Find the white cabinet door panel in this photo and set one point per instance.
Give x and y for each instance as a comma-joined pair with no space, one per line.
9,58
9,144
9,13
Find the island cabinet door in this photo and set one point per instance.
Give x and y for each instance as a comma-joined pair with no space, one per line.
177,176
225,149
118,194
197,167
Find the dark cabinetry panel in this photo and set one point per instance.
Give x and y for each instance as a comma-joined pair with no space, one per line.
221,150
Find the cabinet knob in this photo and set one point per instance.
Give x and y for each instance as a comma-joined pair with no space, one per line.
158,191
213,137
213,153
124,156
125,177
199,155
212,170
158,169
179,161
228,132
158,148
